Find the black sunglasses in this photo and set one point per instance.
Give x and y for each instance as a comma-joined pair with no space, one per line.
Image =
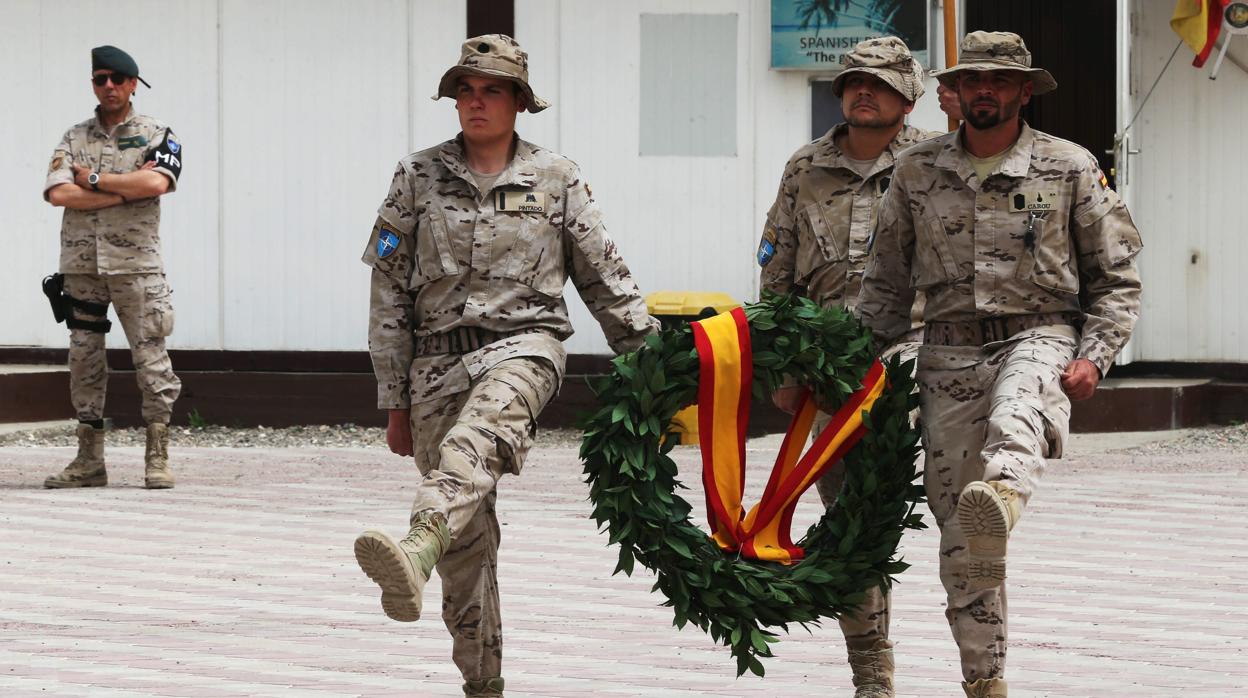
117,78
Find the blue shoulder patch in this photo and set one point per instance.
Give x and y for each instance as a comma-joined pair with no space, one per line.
765,252
174,146
387,243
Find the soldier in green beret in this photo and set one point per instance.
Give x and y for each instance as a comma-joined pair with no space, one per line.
109,173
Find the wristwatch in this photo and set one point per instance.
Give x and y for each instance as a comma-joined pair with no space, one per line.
94,180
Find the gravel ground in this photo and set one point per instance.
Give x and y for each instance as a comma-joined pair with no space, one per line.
337,436
1232,438
1228,439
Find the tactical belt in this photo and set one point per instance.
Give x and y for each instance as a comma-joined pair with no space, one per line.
976,333
462,340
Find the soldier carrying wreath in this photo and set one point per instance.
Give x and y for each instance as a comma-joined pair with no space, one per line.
1028,263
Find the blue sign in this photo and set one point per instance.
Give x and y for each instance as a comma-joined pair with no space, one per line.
815,34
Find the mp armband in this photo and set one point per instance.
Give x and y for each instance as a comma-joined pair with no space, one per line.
168,155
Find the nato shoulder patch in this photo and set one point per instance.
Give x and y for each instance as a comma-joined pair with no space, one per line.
387,243
766,250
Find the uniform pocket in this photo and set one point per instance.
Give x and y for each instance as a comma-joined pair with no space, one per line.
535,258
818,243
157,318
933,257
434,257
1049,262
531,383
1121,243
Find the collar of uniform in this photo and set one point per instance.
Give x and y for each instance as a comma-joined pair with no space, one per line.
1018,161
1015,164
828,154
519,171
95,120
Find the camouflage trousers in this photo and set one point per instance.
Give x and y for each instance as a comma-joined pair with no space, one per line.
870,622
144,306
463,444
989,413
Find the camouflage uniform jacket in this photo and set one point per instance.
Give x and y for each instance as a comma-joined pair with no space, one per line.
122,239
446,256
1041,234
815,239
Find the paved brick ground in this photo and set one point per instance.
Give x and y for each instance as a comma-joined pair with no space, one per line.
1127,576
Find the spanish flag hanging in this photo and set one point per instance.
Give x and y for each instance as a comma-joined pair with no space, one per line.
725,378
1198,23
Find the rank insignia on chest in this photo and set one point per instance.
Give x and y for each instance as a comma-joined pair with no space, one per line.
387,243
131,142
524,201
1032,200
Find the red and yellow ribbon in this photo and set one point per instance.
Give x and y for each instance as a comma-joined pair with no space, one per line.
725,376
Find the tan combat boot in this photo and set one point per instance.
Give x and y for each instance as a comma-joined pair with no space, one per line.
985,688
873,670
401,569
484,688
987,512
156,458
87,468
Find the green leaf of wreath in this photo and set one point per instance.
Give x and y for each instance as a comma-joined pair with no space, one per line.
850,550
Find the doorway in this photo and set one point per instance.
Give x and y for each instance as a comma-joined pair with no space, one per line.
1075,40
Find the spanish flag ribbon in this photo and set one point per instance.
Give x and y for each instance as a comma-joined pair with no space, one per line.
725,378
725,373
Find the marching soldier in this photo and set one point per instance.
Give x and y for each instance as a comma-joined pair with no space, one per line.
470,254
109,173
815,243
1027,262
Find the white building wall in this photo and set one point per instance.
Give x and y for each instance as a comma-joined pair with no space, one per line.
683,223
1187,191
313,123
294,113
47,46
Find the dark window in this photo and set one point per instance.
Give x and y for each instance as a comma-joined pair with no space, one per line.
1083,107
825,108
492,17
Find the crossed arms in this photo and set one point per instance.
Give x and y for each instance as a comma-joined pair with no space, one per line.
114,189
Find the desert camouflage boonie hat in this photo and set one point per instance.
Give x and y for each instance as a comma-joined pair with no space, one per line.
492,56
996,51
887,58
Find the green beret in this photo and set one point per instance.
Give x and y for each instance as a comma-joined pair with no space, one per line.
116,60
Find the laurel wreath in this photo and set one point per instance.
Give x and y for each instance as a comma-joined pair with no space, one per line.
851,549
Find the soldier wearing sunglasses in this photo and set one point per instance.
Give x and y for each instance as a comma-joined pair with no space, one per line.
109,173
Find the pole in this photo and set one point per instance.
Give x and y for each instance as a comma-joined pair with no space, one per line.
951,43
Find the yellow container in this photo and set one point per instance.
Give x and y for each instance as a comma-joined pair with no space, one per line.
674,308
685,306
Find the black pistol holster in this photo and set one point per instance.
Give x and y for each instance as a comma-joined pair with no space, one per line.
63,307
